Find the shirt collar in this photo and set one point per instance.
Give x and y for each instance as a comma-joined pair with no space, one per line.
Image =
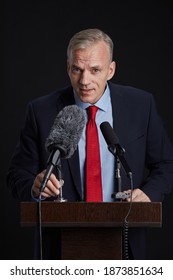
102,103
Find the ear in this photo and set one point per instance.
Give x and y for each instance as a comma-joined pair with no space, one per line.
68,66
111,71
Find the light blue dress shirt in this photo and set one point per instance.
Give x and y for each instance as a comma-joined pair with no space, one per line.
104,113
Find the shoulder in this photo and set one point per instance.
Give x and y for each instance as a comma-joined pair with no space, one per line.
46,107
130,99
129,91
51,98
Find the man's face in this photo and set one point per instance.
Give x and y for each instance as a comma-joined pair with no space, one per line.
89,70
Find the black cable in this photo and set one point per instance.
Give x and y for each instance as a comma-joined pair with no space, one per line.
125,240
59,199
126,225
40,227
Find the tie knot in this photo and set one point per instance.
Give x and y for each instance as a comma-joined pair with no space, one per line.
92,110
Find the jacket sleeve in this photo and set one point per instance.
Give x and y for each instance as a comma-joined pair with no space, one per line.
159,158
25,161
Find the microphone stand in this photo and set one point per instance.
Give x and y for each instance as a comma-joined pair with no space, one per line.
118,179
118,151
60,197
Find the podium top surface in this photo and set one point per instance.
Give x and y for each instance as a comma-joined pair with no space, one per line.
91,214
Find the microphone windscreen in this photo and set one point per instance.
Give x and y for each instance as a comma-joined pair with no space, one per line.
109,134
66,131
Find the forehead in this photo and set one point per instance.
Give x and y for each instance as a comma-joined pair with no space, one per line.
93,54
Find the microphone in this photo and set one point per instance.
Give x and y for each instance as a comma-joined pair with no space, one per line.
117,150
63,138
114,146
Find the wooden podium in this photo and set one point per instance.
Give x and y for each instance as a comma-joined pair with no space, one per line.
91,230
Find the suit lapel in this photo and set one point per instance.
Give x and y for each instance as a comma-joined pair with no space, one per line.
75,171
120,124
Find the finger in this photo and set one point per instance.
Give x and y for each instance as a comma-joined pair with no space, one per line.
54,181
139,196
51,189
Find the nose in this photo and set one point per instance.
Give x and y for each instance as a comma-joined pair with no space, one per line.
85,78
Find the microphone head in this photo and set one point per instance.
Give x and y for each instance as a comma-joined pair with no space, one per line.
109,134
66,131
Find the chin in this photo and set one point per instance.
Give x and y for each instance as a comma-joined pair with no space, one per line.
85,100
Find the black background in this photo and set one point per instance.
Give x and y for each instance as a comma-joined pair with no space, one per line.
36,35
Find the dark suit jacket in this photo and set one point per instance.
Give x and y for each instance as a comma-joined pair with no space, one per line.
149,152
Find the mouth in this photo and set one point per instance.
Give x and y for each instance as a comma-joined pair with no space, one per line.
85,91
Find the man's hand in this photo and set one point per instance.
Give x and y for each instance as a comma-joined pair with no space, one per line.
52,188
137,196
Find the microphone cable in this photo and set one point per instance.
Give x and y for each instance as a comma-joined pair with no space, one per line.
58,199
126,224
40,227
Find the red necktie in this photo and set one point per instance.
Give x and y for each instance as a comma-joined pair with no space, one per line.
93,167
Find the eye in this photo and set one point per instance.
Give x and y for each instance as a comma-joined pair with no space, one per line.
76,69
95,70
